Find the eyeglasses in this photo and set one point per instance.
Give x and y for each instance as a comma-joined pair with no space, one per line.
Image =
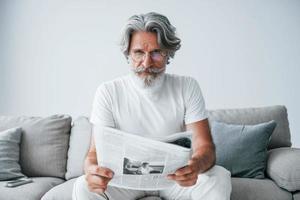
156,55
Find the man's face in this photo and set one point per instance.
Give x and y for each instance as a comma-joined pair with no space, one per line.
147,58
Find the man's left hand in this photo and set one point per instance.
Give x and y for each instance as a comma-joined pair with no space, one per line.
188,175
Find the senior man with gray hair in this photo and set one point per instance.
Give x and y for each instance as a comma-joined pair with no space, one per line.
152,103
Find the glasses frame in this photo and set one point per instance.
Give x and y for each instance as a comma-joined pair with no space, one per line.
133,54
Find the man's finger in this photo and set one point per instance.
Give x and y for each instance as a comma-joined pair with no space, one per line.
101,171
187,183
184,170
185,177
96,180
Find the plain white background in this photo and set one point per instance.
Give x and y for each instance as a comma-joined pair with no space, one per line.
54,54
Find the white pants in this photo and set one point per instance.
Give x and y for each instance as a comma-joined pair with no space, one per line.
215,184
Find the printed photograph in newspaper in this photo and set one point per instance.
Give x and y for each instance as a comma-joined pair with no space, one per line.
134,167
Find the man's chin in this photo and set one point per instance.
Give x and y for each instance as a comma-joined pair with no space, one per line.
143,75
148,79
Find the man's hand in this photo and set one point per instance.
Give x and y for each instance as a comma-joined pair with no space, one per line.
188,175
98,178
203,155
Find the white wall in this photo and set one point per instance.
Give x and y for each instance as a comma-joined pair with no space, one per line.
55,53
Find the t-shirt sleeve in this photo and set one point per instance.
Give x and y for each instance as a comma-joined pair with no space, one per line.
102,108
194,102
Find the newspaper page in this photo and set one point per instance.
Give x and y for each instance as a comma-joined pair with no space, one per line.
141,163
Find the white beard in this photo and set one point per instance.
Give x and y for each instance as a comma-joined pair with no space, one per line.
152,80
149,82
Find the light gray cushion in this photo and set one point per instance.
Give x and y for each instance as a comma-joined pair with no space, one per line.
61,192
284,167
44,145
281,136
257,189
9,154
30,191
296,196
78,147
242,149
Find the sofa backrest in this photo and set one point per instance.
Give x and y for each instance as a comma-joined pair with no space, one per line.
44,143
281,136
81,131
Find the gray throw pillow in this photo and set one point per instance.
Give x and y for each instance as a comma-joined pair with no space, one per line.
44,144
242,149
9,154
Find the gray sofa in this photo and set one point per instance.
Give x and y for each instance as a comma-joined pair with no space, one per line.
52,152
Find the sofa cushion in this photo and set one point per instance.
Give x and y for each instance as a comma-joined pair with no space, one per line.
284,167
254,189
44,144
9,154
281,136
242,149
32,191
78,147
296,196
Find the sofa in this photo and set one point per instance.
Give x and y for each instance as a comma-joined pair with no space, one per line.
52,151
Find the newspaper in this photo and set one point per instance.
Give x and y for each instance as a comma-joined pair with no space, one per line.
141,163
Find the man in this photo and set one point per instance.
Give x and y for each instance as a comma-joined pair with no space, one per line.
154,104
145,168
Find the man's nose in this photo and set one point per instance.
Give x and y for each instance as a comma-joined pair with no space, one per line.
147,62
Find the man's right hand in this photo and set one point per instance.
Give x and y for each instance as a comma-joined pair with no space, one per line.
97,178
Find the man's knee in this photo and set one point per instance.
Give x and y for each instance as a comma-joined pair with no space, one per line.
213,184
222,185
220,172
81,191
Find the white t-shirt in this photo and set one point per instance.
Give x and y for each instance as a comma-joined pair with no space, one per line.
156,112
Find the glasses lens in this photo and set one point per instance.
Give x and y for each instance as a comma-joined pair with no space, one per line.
156,56
138,56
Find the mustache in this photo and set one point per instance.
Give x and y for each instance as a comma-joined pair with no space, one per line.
153,70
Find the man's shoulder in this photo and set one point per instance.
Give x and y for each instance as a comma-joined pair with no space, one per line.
114,83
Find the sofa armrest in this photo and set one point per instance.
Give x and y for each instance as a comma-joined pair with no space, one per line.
283,167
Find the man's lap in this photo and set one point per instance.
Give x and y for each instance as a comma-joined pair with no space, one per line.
214,183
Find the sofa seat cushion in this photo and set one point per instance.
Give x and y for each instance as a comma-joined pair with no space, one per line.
32,191
61,192
255,189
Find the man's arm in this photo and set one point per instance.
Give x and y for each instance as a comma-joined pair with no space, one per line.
203,146
203,156
96,177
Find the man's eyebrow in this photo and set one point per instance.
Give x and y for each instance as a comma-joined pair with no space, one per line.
139,49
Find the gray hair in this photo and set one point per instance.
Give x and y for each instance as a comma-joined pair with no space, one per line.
151,22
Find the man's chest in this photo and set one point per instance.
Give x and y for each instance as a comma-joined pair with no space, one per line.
149,115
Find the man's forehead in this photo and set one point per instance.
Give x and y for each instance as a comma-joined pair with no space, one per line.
144,40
